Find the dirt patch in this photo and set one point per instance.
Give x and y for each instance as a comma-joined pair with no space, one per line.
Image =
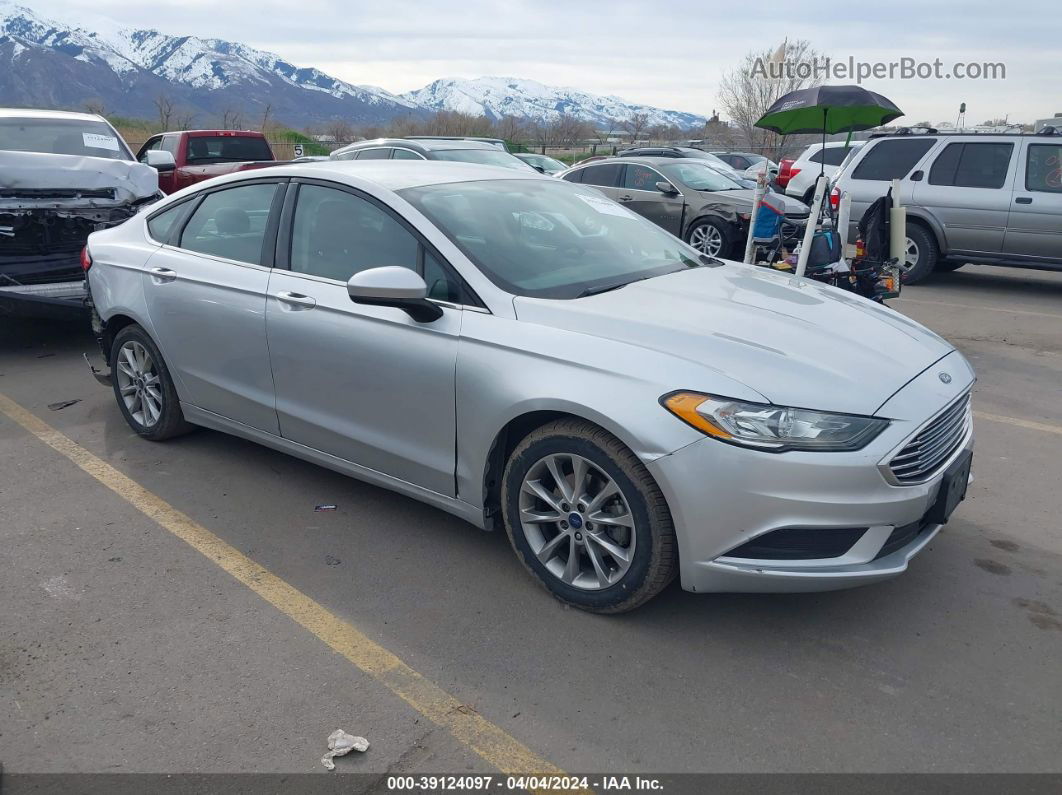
1006,546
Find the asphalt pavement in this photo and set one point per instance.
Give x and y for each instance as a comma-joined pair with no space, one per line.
238,637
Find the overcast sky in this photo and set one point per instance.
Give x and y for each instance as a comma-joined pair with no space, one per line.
668,54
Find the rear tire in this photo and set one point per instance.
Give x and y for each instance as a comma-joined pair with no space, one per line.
922,253
144,388
572,489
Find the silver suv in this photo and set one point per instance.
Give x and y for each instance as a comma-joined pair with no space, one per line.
994,199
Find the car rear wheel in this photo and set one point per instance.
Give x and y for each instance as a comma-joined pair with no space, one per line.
587,519
143,387
710,236
921,254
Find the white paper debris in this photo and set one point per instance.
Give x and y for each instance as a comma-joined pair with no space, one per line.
606,206
340,744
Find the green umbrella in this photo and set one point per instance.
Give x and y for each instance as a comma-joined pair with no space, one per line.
828,110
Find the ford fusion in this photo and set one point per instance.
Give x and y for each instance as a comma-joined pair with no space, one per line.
529,355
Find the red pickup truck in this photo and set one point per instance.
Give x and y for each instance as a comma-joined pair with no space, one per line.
184,158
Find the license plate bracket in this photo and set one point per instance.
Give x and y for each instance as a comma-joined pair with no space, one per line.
952,489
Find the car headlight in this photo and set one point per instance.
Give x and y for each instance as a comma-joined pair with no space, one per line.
772,428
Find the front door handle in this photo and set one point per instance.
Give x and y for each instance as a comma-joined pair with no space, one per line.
296,300
1023,200
626,198
163,274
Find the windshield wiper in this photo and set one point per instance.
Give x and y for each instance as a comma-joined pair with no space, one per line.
602,288
707,260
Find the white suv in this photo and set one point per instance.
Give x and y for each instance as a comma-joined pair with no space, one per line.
815,159
995,199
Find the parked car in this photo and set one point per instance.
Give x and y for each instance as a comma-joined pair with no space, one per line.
696,154
994,199
190,156
685,196
498,143
529,355
803,171
748,163
542,163
451,149
62,176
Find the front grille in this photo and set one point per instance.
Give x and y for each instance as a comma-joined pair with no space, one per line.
922,457
799,543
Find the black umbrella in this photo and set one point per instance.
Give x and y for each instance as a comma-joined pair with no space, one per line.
828,109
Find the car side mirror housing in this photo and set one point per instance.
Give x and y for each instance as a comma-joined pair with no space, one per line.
666,187
160,160
394,286
917,176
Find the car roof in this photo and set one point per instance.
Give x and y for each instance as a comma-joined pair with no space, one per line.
33,113
645,160
399,174
445,144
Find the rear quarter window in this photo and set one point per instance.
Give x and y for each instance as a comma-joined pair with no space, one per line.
1043,168
888,160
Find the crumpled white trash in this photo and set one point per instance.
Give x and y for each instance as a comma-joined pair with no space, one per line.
340,744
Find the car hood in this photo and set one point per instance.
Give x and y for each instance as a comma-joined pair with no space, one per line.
741,200
794,341
29,178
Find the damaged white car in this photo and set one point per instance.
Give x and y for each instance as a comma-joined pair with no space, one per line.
62,176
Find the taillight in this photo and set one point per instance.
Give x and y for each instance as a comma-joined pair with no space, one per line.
861,249
86,259
835,198
786,172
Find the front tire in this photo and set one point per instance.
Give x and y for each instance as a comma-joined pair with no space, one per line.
587,519
144,388
710,236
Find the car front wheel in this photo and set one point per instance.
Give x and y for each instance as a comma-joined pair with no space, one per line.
144,388
921,254
710,236
587,519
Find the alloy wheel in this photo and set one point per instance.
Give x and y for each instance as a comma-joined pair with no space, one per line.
707,240
577,521
139,383
911,253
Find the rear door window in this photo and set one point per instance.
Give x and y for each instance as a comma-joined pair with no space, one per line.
642,178
374,154
830,157
405,154
972,165
1043,168
231,223
605,175
889,160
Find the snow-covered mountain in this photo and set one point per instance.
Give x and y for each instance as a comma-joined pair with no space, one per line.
46,63
496,97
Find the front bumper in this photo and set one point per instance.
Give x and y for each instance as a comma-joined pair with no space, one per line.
722,497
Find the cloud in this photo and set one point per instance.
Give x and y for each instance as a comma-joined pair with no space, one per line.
670,55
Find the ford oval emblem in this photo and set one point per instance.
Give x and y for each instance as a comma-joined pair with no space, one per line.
944,377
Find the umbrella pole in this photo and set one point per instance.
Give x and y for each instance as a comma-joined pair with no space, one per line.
809,230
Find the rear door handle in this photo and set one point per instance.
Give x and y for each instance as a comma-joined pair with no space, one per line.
1023,200
163,274
296,300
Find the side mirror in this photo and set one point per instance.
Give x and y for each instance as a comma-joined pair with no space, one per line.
160,160
394,286
666,187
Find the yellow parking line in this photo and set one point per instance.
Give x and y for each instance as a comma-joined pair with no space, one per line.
979,308
1032,426
490,742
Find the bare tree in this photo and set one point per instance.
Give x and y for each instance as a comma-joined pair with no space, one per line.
95,106
605,131
340,131
183,119
232,119
164,105
508,128
763,76
636,125
265,116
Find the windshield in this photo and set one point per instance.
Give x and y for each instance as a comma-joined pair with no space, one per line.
700,176
548,238
487,157
226,149
543,161
63,137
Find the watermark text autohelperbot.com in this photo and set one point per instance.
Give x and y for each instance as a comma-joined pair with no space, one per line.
826,68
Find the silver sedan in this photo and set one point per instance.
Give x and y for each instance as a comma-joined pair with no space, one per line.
529,355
